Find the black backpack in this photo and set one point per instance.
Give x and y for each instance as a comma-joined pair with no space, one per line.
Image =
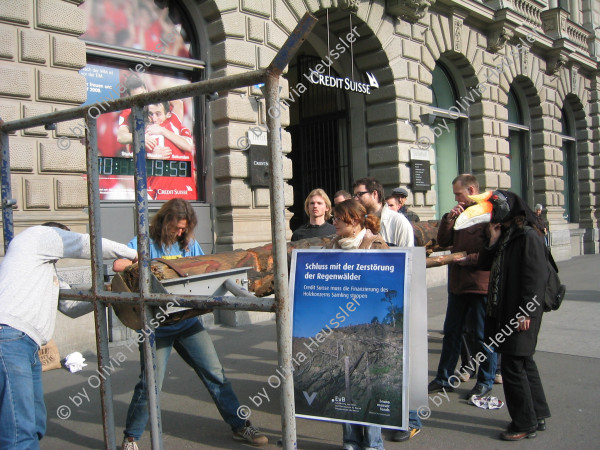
555,291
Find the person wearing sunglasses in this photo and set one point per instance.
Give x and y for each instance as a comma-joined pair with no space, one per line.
395,228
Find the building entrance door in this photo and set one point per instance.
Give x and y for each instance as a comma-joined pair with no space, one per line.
320,139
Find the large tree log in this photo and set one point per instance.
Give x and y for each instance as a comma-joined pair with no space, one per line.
435,261
260,261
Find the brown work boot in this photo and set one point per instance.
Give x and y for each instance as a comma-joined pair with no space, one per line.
250,435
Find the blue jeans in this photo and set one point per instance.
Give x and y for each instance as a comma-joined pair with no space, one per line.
196,348
414,421
458,307
22,409
363,436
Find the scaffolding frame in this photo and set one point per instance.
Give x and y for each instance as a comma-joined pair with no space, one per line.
99,296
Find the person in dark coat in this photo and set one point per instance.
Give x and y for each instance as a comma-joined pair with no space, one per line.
516,259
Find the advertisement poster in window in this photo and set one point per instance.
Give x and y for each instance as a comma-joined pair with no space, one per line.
349,340
170,149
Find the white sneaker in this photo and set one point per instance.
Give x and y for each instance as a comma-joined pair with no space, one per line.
129,444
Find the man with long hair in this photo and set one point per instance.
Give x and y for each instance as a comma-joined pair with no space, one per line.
172,236
318,208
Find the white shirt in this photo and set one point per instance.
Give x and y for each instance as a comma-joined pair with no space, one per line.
396,229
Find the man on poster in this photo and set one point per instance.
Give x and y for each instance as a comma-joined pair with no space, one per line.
166,135
135,86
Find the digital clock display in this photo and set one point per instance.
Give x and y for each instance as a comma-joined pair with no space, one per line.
154,167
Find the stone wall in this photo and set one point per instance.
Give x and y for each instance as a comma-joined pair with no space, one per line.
40,55
485,62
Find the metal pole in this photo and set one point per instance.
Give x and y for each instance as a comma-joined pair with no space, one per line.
7,201
247,303
284,310
278,227
237,290
100,322
141,208
187,90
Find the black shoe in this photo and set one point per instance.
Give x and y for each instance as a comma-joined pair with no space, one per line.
401,436
541,426
479,390
436,386
512,435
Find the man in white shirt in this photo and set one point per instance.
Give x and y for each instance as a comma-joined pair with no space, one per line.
397,231
395,228
29,289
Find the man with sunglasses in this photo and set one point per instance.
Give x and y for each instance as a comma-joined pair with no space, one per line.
395,228
397,231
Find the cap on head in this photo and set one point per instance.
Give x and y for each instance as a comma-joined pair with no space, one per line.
400,191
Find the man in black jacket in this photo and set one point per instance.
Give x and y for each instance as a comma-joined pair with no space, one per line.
467,290
318,208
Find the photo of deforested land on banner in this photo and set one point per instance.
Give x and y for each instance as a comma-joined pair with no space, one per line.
348,340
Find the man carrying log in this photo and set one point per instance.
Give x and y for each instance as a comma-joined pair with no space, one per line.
29,287
171,236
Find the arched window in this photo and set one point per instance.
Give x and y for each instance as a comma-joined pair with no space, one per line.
449,159
569,166
518,138
135,46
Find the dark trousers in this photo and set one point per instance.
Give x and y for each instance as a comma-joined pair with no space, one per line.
524,393
456,314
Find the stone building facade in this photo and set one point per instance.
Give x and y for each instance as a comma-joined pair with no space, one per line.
505,89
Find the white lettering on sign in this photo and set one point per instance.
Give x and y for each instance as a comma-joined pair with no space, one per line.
339,83
261,163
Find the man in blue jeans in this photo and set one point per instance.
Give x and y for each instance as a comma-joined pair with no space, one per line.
29,288
467,288
171,236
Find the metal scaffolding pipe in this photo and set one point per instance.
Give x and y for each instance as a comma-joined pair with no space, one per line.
280,274
237,290
7,201
100,321
143,245
249,303
278,226
183,91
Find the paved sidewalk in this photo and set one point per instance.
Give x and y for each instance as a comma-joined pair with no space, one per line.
568,357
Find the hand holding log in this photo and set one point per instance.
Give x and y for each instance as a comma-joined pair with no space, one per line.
442,260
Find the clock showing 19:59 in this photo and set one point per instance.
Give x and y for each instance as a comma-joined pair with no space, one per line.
154,167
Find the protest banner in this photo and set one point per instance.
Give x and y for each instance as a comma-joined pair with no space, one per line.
349,339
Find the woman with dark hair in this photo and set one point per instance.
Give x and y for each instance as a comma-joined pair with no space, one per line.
516,259
172,235
355,229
